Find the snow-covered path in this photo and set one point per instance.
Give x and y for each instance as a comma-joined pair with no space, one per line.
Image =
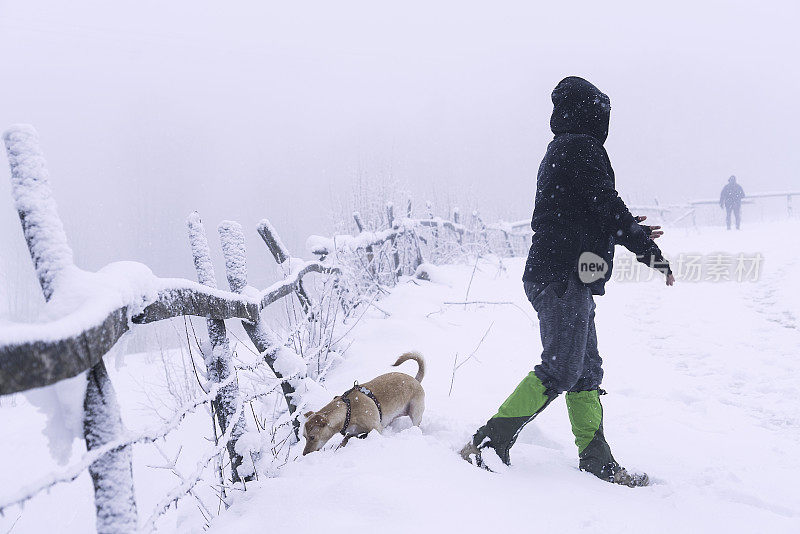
702,386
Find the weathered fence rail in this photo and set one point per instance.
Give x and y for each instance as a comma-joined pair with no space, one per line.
40,354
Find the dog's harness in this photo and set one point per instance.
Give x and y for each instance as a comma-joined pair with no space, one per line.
346,401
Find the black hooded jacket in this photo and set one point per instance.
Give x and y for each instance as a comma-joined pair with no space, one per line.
577,208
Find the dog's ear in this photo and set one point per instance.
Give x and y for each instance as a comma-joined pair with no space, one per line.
308,414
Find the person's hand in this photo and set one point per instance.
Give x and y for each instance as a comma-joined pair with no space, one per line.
670,280
655,231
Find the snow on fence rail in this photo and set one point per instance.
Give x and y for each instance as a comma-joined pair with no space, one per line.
122,295
40,354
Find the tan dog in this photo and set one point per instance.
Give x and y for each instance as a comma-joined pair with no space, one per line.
392,394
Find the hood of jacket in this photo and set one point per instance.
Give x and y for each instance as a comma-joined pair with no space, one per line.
580,108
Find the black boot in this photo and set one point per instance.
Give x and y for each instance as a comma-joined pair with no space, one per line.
586,417
501,431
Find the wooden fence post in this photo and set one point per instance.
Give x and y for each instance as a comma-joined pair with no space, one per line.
418,259
219,363
483,232
112,473
509,245
457,220
434,235
368,248
398,270
233,249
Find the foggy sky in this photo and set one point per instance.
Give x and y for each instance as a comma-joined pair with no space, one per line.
148,110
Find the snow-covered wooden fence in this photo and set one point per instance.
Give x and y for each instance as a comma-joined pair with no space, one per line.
110,303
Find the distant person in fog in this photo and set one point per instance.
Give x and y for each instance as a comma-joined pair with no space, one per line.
731,199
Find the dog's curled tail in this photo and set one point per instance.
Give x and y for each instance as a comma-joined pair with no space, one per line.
417,357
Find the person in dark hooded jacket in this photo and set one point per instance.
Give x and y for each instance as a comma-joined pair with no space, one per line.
578,218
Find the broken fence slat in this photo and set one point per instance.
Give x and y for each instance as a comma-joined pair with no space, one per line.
273,241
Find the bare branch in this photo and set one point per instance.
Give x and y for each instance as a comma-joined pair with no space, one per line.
457,366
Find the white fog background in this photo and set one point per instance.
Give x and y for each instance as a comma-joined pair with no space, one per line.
246,109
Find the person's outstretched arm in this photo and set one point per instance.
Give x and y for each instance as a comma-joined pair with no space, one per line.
609,211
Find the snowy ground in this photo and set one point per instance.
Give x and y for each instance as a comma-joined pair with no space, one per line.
702,394
702,382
